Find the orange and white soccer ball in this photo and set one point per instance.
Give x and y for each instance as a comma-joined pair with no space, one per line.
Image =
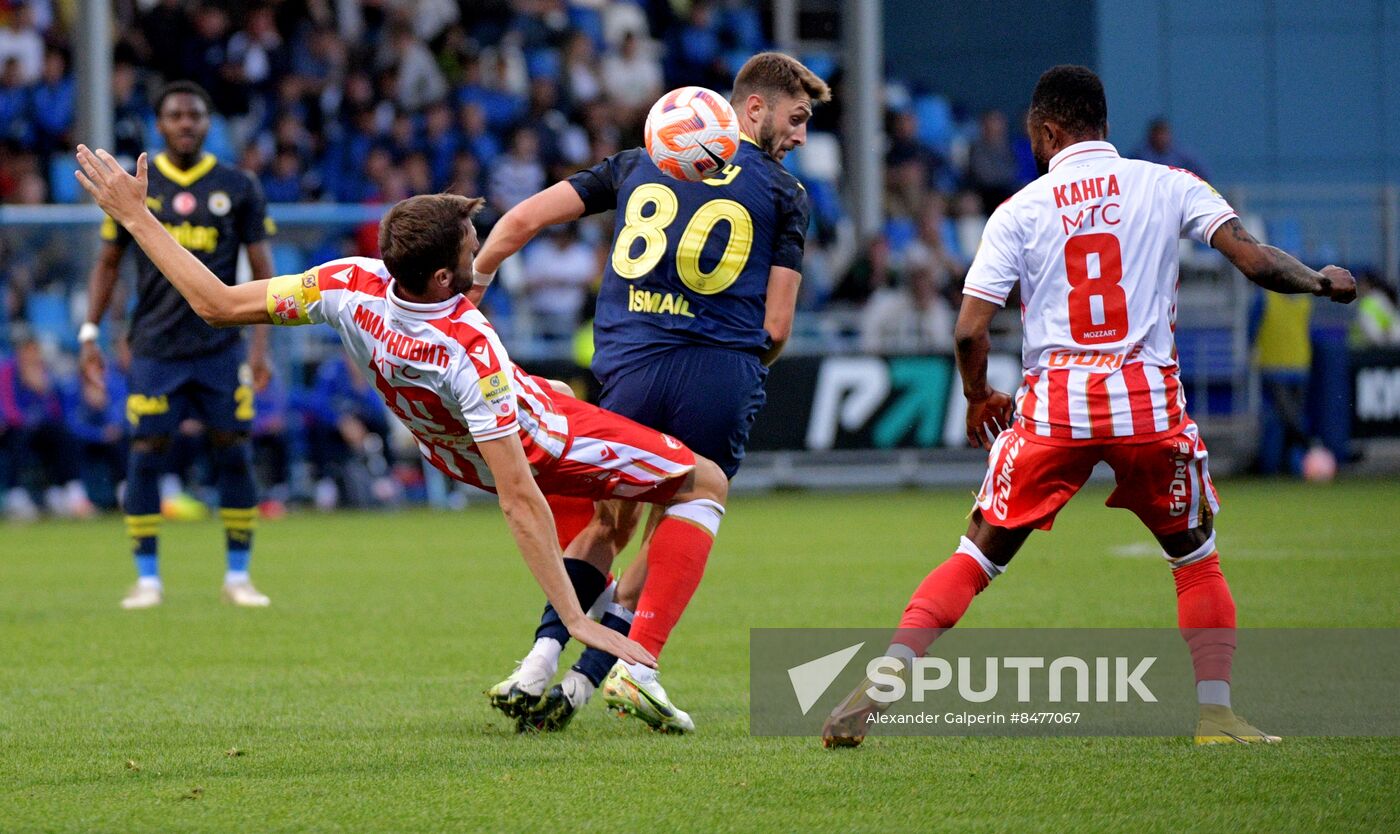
692,133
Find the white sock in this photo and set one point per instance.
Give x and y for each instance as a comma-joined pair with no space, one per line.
643,674
701,512
902,653
604,600
546,650
149,582
1213,692
577,688
236,577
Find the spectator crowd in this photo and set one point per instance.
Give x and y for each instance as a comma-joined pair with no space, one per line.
344,102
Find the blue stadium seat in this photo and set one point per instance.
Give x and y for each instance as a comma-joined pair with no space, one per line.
543,63
823,65
47,314
63,186
589,22
935,117
287,259
899,233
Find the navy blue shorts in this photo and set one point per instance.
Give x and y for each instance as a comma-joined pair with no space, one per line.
705,397
209,388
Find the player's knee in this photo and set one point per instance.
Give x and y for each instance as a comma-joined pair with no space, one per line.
224,439
710,482
151,445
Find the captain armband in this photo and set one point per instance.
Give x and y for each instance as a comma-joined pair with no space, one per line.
289,298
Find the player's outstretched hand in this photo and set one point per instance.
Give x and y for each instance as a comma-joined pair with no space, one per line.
599,636
987,418
1338,285
121,196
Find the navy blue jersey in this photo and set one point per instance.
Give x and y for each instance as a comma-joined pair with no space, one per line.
212,209
690,260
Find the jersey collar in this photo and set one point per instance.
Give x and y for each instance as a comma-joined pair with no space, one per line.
1081,151
414,310
744,137
185,177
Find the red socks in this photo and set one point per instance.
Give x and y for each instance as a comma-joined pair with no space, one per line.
676,556
1206,617
940,601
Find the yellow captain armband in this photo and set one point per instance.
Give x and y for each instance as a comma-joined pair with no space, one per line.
289,298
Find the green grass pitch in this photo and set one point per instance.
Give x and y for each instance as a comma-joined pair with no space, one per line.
353,704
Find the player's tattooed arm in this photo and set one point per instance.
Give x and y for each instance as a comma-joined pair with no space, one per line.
988,410
1276,270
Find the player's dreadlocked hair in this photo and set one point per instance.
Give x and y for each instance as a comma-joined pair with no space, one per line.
1072,97
423,234
186,87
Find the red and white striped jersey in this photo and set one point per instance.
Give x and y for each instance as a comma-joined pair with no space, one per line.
439,367
1093,245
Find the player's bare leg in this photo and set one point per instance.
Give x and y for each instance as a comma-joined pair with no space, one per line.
936,606
677,550
1206,617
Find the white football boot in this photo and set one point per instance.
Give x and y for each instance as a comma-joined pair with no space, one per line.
635,690
522,688
244,595
142,595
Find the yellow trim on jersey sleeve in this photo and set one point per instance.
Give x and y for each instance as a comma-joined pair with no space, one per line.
185,177
289,298
109,229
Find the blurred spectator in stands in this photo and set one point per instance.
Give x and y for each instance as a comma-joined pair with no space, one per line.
42,455
969,221
20,39
693,51
1377,321
1160,148
402,139
476,135
632,77
419,81
582,82
910,305
283,180
348,438
440,143
517,174
97,421
907,151
53,103
991,161
15,124
257,57
163,32
466,175
272,447
132,111
558,270
1279,325
204,59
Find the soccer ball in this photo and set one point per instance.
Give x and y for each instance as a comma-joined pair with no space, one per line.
692,133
